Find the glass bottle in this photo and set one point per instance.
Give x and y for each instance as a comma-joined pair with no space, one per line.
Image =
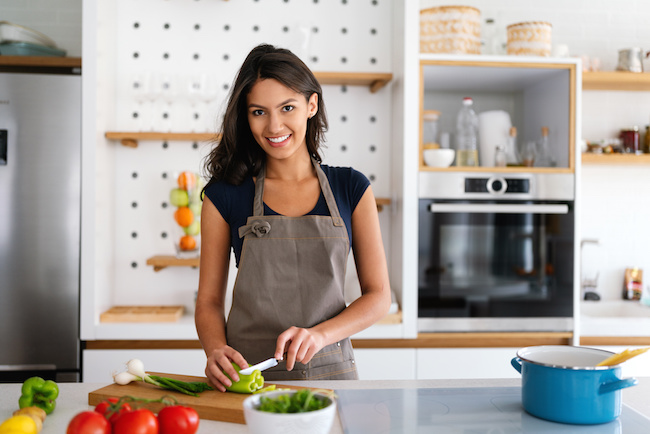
646,140
430,129
500,157
543,157
511,148
467,135
529,154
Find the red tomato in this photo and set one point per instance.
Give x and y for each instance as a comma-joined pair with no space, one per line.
89,422
103,408
140,421
177,419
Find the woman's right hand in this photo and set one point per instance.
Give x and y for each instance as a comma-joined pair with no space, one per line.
219,361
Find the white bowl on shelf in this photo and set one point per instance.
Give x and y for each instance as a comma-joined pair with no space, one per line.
313,422
439,157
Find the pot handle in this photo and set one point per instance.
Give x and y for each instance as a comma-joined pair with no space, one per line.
616,385
516,363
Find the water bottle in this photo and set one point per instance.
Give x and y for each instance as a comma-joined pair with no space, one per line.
467,135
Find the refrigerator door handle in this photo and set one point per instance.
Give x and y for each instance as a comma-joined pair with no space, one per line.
3,147
28,367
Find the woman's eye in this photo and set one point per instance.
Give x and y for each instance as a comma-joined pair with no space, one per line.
257,112
287,108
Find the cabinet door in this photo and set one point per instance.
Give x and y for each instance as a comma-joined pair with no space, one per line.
385,363
453,363
98,365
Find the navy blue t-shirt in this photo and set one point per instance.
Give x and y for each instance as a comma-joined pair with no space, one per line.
235,202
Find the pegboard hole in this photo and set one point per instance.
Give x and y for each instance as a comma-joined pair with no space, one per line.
134,235
163,235
134,204
344,148
134,264
164,205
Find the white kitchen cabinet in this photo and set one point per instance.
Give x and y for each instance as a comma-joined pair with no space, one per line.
452,363
98,365
386,363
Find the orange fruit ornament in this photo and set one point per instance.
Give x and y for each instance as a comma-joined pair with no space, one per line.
186,180
183,216
187,242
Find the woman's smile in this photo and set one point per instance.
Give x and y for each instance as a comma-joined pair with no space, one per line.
278,141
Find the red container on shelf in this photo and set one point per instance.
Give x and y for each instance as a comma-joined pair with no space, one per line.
630,139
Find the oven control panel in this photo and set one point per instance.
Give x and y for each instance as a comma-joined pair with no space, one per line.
497,185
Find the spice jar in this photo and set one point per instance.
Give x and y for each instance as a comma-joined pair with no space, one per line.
430,129
630,138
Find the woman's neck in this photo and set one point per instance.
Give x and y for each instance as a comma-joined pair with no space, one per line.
296,168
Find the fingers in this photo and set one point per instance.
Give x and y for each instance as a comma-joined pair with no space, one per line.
219,367
300,346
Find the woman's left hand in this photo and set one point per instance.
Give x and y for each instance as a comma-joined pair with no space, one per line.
299,344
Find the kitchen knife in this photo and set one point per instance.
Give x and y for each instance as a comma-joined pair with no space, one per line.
266,364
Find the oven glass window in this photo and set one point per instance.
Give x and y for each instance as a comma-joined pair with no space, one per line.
495,264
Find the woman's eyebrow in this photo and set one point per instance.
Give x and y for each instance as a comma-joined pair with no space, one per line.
279,105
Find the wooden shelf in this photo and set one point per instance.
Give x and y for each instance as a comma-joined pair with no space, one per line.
616,80
163,261
40,64
482,169
131,138
373,80
619,159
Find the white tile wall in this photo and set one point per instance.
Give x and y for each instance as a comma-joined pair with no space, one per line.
58,19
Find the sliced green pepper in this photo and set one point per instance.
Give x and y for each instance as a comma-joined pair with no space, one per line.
39,393
247,383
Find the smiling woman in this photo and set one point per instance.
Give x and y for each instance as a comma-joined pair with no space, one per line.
291,223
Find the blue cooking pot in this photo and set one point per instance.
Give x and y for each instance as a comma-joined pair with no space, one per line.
563,384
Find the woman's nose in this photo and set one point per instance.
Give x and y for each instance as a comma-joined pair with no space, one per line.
275,123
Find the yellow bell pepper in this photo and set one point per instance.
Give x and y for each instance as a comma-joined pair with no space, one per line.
20,424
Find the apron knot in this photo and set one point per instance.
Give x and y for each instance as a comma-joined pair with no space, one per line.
258,227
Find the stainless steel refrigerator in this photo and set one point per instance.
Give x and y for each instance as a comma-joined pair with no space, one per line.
40,219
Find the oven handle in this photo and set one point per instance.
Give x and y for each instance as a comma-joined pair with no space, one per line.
489,208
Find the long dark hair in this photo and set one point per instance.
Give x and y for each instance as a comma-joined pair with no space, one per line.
237,154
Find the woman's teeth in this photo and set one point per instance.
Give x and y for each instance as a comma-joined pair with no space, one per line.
278,139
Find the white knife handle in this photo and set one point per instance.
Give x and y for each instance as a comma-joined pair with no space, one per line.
266,364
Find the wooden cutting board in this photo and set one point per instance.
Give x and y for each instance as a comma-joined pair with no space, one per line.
211,404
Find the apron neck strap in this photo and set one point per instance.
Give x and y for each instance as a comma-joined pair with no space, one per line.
258,204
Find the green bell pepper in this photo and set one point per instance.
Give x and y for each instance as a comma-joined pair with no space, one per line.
247,383
40,393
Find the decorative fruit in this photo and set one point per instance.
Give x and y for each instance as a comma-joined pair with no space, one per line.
19,424
195,207
187,180
193,229
183,216
187,242
179,197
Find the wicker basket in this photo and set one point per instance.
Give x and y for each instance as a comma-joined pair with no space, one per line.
531,38
450,29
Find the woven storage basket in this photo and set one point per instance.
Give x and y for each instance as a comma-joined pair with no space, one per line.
450,29
531,38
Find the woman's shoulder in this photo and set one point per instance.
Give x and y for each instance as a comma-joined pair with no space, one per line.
343,174
229,198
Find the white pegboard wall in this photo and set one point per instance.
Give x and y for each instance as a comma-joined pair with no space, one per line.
189,38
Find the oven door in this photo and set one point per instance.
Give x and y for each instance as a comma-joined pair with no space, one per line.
496,265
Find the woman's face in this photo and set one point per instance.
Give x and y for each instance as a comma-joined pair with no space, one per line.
278,116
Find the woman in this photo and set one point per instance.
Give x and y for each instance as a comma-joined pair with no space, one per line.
290,222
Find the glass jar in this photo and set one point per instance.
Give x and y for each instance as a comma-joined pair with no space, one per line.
430,129
630,138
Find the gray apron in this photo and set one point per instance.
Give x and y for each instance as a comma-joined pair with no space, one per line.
291,273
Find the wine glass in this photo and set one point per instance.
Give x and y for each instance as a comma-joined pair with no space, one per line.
141,87
209,92
168,90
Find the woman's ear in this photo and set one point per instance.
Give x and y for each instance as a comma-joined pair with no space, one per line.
312,105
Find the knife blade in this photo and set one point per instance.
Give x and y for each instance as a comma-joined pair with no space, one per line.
266,364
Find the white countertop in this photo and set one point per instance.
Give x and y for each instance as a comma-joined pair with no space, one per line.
73,398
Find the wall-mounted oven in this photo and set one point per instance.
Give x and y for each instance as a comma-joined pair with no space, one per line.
496,251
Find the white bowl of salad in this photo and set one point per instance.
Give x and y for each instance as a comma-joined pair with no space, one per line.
290,411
